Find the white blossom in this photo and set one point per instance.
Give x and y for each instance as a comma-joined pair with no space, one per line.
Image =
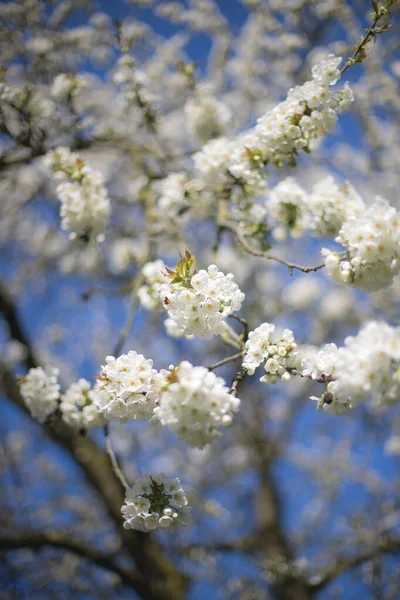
127,388
368,366
155,501
276,351
372,247
206,117
41,391
287,209
154,276
194,403
329,206
78,406
85,205
202,308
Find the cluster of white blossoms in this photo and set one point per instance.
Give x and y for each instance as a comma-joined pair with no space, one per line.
78,407
287,207
194,402
154,276
206,117
320,363
220,162
40,391
199,303
367,366
277,351
155,501
372,246
322,211
329,206
85,205
307,114
67,85
127,388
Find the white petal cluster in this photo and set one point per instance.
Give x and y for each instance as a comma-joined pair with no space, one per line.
85,205
277,351
221,161
78,407
194,403
372,247
40,391
330,205
202,308
308,113
206,117
368,365
287,209
127,388
321,364
154,275
155,501
66,85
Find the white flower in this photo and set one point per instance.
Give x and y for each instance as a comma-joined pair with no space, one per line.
40,391
372,247
322,363
206,117
329,206
65,85
368,366
127,388
202,308
286,205
194,403
154,275
276,350
155,501
78,408
85,205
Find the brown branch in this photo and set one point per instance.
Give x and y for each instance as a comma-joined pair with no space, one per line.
260,253
388,545
36,541
225,361
114,463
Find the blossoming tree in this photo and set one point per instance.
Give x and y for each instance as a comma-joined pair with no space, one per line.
200,297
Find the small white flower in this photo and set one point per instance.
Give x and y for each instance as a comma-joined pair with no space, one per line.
41,392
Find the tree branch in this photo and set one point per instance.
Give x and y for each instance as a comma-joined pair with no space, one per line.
254,252
388,545
36,541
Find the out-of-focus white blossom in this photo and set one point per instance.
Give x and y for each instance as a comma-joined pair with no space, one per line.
41,391
329,206
154,274
372,246
194,403
287,209
155,501
206,117
78,407
66,85
85,205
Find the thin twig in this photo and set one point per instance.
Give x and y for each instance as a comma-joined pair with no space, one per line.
225,361
116,468
360,48
291,266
